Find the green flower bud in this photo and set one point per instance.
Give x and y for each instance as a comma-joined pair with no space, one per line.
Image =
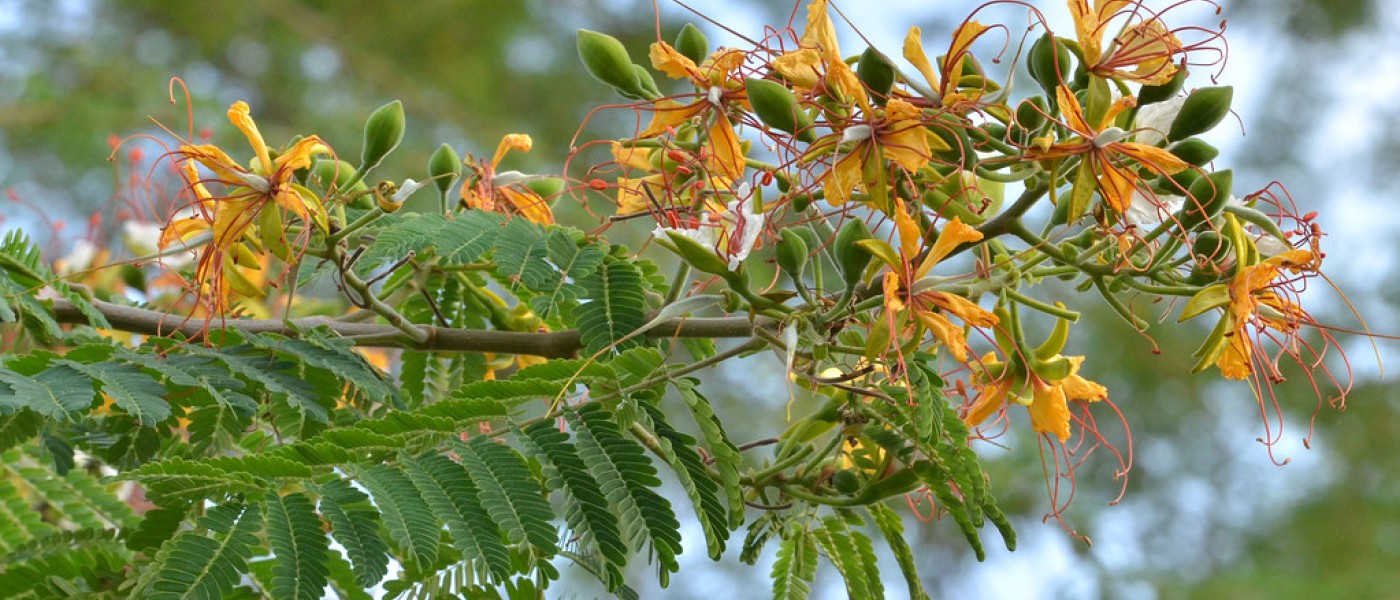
1045,55
606,60
444,166
1152,94
546,187
647,83
328,172
692,44
383,132
1194,151
850,256
845,481
791,253
1201,112
994,130
1030,113
700,257
1205,198
876,72
1211,252
777,108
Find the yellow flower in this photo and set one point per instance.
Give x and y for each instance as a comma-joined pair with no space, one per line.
952,62
818,60
1105,151
1248,291
719,90
897,134
1047,399
927,307
1147,46
229,262
488,190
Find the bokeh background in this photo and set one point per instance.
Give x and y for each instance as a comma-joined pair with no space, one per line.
1207,514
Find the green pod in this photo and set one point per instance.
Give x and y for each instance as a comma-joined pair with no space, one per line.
1194,151
1201,112
1211,245
850,256
692,43
383,132
1205,198
777,107
606,60
1210,251
1045,55
845,481
994,130
444,166
792,254
1152,94
876,72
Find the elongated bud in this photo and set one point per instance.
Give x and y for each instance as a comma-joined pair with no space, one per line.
606,60
1056,342
1152,94
852,258
1211,252
791,253
1201,112
777,108
1046,54
700,257
444,166
1194,151
876,72
383,132
329,172
1205,199
692,44
546,187
646,84
1031,113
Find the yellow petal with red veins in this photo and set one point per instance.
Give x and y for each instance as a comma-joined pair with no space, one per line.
726,153
903,140
720,64
629,157
1073,112
970,312
954,234
914,53
988,402
1115,184
215,160
1156,159
668,114
820,32
844,176
951,335
529,204
512,141
909,236
1049,411
1235,362
966,33
299,156
800,67
242,118
668,60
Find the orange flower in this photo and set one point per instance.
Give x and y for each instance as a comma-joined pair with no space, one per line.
1146,47
1248,292
927,307
952,63
896,134
229,261
1104,153
489,190
724,155
1046,398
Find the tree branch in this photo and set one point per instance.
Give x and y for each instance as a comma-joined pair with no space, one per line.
549,344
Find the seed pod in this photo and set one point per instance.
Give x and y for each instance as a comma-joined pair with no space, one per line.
792,254
1194,151
1045,55
444,166
876,72
777,108
1201,112
383,132
1152,94
692,44
1205,198
850,256
606,60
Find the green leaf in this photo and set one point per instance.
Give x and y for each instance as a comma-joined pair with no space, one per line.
55,393
726,455
627,479
455,501
614,308
132,390
573,262
180,481
75,497
892,528
678,450
295,536
19,427
795,567
586,510
521,249
510,495
406,516
460,240
853,555
196,565
355,526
